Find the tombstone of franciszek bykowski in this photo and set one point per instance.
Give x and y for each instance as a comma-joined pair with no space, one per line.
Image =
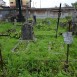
68,39
74,21
27,31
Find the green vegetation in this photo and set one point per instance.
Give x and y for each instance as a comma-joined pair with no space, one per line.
43,57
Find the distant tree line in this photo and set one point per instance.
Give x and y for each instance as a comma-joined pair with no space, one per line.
74,4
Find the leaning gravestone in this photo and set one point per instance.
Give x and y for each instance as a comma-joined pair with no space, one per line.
74,22
27,31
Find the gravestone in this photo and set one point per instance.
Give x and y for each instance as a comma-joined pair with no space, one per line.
6,20
34,18
68,39
74,17
74,22
15,21
27,31
63,24
49,23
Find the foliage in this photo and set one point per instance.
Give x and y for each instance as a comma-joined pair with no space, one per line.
68,18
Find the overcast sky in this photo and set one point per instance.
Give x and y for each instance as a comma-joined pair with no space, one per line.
47,3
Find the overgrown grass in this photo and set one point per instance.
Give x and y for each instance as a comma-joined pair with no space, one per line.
43,57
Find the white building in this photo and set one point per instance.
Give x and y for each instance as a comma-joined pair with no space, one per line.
2,3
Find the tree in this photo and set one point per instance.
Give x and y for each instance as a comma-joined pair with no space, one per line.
66,5
74,4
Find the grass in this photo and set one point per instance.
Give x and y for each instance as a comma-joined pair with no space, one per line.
44,57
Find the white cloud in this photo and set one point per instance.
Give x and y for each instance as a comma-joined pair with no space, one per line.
47,3
50,3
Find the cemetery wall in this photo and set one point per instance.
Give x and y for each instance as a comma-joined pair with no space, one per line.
52,13
40,12
3,14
